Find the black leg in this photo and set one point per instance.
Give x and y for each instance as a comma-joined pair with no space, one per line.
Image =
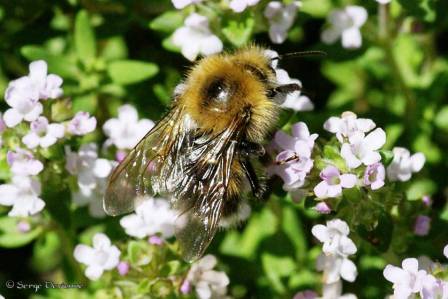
248,148
255,186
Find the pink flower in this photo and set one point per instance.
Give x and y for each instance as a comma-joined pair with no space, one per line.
308,294
407,280
280,17
81,124
23,226
155,240
333,182
43,134
322,208
404,164
422,225
363,149
185,288
294,162
23,195
22,163
240,5
23,94
374,176
427,200
348,125
179,4
123,268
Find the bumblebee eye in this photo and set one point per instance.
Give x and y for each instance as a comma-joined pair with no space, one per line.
218,91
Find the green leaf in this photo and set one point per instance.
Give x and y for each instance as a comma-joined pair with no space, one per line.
63,66
420,188
47,252
260,226
11,237
277,267
84,39
441,119
139,253
130,71
292,227
87,103
386,157
167,44
381,235
239,32
352,194
316,8
115,48
167,22
424,144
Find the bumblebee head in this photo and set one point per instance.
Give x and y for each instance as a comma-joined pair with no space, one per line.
222,87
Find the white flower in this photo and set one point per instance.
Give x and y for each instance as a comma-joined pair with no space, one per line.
334,291
102,256
241,5
92,173
179,4
126,130
445,251
407,280
335,267
23,94
336,249
281,18
195,38
345,23
383,1
363,150
335,238
151,217
23,195
42,133
403,164
348,125
292,100
333,182
208,283
81,124
22,163
294,161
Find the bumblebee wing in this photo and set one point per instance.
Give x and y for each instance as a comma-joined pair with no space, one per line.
139,173
203,191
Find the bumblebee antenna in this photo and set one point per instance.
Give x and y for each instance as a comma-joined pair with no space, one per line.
300,54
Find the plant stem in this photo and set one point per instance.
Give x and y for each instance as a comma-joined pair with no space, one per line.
68,249
386,41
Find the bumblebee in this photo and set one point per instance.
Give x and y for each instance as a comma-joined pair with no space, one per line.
200,154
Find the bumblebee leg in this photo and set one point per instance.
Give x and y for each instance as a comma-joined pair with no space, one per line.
255,186
283,89
248,148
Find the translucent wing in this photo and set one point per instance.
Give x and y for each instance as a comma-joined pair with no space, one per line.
147,168
203,191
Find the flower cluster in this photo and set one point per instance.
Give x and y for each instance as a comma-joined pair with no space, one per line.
353,161
207,282
27,97
294,161
345,24
196,38
415,277
333,261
